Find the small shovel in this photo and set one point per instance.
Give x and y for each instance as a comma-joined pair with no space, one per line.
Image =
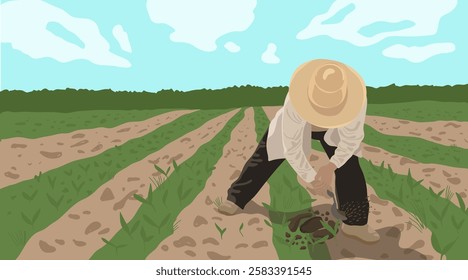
340,215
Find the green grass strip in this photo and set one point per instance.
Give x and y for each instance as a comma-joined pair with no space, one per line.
261,122
421,111
30,206
287,199
35,125
447,221
154,220
418,149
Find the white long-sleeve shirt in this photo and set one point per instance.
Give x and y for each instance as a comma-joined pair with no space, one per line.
289,137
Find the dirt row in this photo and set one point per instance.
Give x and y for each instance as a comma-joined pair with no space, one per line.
77,234
23,158
197,236
448,133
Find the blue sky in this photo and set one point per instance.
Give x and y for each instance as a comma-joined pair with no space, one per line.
185,44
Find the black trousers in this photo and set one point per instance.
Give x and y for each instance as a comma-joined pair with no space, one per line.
350,184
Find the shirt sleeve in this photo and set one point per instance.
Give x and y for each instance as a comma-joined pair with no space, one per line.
351,137
293,138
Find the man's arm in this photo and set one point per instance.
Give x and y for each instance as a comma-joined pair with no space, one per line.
293,134
351,137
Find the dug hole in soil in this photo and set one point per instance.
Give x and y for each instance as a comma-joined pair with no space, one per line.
306,228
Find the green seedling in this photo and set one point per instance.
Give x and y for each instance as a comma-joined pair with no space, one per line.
124,225
220,230
30,197
38,177
19,238
52,181
331,230
84,167
268,223
149,198
240,229
160,170
115,246
461,203
175,226
218,201
31,221
55,202
77,187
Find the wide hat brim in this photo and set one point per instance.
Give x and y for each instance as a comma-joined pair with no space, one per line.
301,83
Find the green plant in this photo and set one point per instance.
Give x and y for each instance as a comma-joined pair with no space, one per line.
160,170
240,229
448,193
220,230
218,201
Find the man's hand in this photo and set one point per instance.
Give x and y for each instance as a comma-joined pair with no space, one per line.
324,176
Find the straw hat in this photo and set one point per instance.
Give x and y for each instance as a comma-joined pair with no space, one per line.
327,93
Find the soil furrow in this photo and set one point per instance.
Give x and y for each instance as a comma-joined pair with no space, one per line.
24,158
435,176
79,232
197,236
399,238
448,133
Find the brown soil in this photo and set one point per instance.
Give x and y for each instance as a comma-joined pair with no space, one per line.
270,111
449,133
197,221
23,158
77,234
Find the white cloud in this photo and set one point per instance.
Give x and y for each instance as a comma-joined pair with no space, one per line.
269,55
201,23
122,38
24,25
425,14
418,54
232,47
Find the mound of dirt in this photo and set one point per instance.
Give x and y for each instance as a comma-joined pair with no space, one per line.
307,228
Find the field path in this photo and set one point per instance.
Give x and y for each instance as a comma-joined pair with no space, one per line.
197,236
446,133
23,158
399,239
77,234
435,175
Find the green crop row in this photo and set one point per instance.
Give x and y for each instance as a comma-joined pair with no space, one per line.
155,219
35,125
287,199
32,205
447,221
417,149
422,111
